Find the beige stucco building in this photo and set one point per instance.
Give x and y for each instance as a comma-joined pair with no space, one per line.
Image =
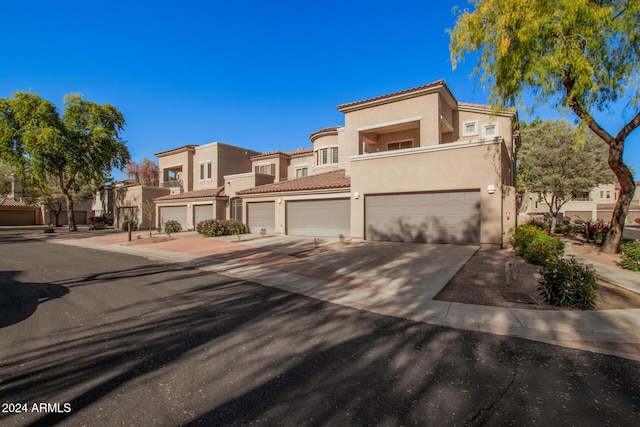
416,165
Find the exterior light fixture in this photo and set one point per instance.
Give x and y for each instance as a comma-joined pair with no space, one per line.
491,188
356,195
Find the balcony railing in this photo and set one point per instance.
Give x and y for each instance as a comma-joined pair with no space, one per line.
172,183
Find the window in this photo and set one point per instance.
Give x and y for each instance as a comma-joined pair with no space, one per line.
266,169
302,172
201,171
399,145
601,194
236,209
322,156
470,128
209,167
491,131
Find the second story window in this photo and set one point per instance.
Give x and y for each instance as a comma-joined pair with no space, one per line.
209,169
201,171
491,131
326,156
302,172
470,128
267,169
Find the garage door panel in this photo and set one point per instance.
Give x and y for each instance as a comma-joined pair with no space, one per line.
452,217
202,213
322,218
261,215
176,213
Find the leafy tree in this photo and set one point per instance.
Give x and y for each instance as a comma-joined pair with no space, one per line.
51,195
5,182
81,146
557,162
145,173
581,54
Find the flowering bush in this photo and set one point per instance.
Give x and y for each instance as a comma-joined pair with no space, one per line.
567,283
215,227
597,231
535,245
172,226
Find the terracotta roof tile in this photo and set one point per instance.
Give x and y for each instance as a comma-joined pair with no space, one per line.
313,135
267,154
391,95
197,194
16,203
324,181
299,151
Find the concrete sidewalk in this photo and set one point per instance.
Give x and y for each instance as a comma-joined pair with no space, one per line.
332,277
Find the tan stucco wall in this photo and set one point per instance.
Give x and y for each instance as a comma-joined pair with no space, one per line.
135,197
300,162
442,168
183,159
225,160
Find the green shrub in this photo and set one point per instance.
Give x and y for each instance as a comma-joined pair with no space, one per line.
567,283
631,255
543,249
48,229
125,225
215,227
535,245
172,226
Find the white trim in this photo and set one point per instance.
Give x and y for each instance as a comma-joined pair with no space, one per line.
273,195
427,149
387,124
484,130
464,128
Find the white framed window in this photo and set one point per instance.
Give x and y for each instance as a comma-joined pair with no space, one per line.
490,131
266,169
327,156
399,145
470,128
209,170
302,172
201,171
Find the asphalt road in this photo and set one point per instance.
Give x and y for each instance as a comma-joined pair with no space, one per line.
93,338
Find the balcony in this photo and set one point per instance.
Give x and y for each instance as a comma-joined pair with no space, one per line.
172,183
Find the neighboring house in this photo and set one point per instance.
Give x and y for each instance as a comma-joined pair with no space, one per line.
15,211
104,202
414,166
194,176
590,206
132,202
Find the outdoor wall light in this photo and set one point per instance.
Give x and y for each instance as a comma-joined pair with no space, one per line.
356,195
491,188
279,201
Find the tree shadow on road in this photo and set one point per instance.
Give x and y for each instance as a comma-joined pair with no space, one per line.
20,300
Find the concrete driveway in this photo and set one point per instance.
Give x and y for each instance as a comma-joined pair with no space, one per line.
401,269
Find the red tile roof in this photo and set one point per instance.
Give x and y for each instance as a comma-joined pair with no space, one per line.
177,150
16,203
198,194
324,181
313,135
281,153
394,94
299,151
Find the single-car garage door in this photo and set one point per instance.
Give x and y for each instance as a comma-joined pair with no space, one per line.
177,213
261,215
322,218
202,212
439,217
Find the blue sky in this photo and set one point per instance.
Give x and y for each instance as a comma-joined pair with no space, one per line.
257,74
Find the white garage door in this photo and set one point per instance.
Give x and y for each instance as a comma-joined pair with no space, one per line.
202,212
177,213
322,218
442,217
261,215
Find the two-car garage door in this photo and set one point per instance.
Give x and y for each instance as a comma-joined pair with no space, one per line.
439,217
